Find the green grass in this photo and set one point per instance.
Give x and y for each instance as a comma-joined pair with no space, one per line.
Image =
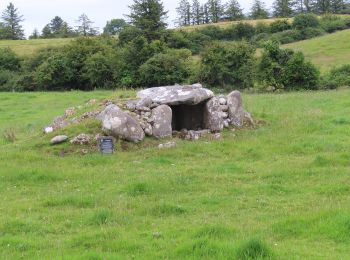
277,192
331,50
28,47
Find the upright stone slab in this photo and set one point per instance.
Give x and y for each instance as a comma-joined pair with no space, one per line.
162,121
235,108
213,119
121,125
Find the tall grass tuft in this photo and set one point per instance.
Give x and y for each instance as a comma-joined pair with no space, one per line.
254,249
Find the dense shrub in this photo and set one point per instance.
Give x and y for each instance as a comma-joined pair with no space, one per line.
331,23
212,31
284,69
309,33
56,73
337,77
166,68
288,36
7,80
262,27
198,40
128,34
303,21
229,64
177,39
260,38
9,60
244,31
299,74
280,26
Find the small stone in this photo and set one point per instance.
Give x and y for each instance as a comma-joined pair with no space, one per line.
48,130
69,112
217,136
144,102
131,105
167,145
144,109
82,139
148,130
91,102
59,139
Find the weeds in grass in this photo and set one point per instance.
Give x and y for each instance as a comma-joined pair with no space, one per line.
254,249
101,217
10,135
168,210
138,189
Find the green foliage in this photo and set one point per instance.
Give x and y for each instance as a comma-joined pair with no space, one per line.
254,249
310,32
244,31
303,21
114,26
284,69
12,23
337,77
331,23
287,36
228,64
280,26
7,80
128,34
258,10
148,16
166,68
9,60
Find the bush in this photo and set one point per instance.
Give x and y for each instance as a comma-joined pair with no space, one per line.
284,69
303,21
229,64
128,34
8,80
262,27
177,40
331,23
244,31
287,36
280,26
337,77
99,70
9,60
212,31
309,33
56,73
198,41
299,74
260,38
166,68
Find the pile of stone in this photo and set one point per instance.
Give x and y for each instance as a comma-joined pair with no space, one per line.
153,114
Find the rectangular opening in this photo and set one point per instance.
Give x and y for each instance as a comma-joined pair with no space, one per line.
188,117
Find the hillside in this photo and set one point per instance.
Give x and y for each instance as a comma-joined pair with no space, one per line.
280,191
28,47
327,51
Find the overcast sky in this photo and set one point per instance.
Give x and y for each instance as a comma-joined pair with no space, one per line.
38,13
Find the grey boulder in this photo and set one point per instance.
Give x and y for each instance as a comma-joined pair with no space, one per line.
213,119
59,139
177,95
121,125
162,116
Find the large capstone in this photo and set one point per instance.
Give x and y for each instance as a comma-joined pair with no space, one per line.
177,95
121,125
162,121
213,119
235,108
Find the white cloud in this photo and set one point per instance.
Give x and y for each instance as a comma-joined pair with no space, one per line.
38,13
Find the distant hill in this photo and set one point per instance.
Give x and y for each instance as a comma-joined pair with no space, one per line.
327,51
28,47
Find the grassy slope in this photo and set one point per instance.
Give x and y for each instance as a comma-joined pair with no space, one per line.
286,183
28,47
327,51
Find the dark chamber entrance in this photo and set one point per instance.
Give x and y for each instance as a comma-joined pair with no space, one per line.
188,117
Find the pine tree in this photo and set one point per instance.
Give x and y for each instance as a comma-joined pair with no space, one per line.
85,27
66,31
283,8
258,10
196,12
323,6
206,16
234,11
56,24
12,22
46,32
149,16
337,6
35,34
215,10
184,13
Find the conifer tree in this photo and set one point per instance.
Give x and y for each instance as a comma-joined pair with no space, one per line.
258,10
283,8
234,11
184,13
149,16
196,12
85,27
12,22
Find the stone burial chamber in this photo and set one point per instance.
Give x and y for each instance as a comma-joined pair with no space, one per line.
188,112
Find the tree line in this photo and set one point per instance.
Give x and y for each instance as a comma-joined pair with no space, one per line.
214,11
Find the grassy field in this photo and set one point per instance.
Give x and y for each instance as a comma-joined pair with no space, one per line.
28,47
328,51
280,191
